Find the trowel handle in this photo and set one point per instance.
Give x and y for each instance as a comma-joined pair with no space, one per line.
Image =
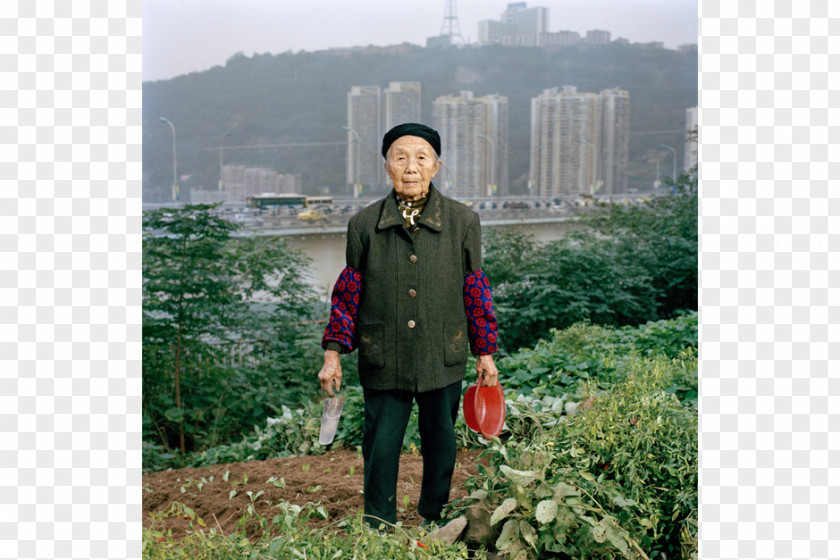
331,387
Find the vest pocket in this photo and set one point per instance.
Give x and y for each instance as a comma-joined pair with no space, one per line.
371,353
455,342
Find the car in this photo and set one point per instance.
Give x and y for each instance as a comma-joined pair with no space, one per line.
312,215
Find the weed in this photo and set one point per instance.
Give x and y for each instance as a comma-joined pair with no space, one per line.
281,483
286,535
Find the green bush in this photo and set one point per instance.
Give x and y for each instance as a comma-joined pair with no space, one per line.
580,277
661,236
227,329
618,480
669,337
628,265
559,364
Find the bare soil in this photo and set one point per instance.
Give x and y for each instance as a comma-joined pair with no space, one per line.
333,480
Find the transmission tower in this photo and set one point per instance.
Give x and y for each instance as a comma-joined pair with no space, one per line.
450,25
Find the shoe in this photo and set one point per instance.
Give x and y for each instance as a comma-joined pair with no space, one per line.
448,532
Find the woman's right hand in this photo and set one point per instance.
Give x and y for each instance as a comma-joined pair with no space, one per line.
330,374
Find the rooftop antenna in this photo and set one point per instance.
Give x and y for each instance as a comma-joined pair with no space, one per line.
450,25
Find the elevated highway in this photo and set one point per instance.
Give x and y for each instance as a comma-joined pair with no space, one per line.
323,241
325,244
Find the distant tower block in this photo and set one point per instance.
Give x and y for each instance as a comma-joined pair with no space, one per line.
450,25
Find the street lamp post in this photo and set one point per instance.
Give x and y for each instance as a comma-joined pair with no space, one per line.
221,169
674,168
492,160
356,172
174,160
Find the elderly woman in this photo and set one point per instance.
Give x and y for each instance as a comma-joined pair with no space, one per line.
413,300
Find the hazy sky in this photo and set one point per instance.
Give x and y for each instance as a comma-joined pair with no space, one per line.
182,36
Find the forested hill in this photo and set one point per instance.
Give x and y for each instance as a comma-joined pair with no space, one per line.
302,98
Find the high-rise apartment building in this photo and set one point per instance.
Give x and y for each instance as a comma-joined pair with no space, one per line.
579,142
491,31
242,181
402,104
560,39
474,137
563,150
597,37
364,160
614,141
518,26
690,147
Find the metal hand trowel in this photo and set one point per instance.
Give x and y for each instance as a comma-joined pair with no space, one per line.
329,419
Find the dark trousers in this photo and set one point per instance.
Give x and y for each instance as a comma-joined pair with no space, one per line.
386,418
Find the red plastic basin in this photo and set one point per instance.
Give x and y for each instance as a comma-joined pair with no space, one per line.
484,409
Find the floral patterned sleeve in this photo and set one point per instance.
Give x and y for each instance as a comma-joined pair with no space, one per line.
341,328
481,321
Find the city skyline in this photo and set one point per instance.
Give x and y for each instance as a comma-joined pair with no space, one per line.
579,141
193,35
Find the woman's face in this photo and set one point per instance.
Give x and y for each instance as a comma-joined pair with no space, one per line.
411,164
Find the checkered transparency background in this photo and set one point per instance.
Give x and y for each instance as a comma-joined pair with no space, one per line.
770,280
70,295
70,254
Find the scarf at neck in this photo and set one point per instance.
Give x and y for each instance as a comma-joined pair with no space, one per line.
410,209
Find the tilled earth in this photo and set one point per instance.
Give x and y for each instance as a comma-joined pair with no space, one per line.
333,480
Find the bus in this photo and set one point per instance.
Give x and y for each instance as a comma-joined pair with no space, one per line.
273,200
319,201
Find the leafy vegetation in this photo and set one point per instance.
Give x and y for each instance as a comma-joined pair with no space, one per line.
662,236
598,457
228,327
633,265
287,536
583,352
541,380
618,479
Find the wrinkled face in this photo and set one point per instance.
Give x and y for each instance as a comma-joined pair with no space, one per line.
411,164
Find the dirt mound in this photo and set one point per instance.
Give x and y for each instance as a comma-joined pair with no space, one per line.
219,494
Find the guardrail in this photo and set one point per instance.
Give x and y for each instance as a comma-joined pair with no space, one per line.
507,211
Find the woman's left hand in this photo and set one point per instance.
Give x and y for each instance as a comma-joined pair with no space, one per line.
485,367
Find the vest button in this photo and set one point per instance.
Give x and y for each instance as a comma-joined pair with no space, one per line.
412,259
411,324
412,292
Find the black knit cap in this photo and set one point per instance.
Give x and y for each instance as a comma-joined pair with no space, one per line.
430,135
